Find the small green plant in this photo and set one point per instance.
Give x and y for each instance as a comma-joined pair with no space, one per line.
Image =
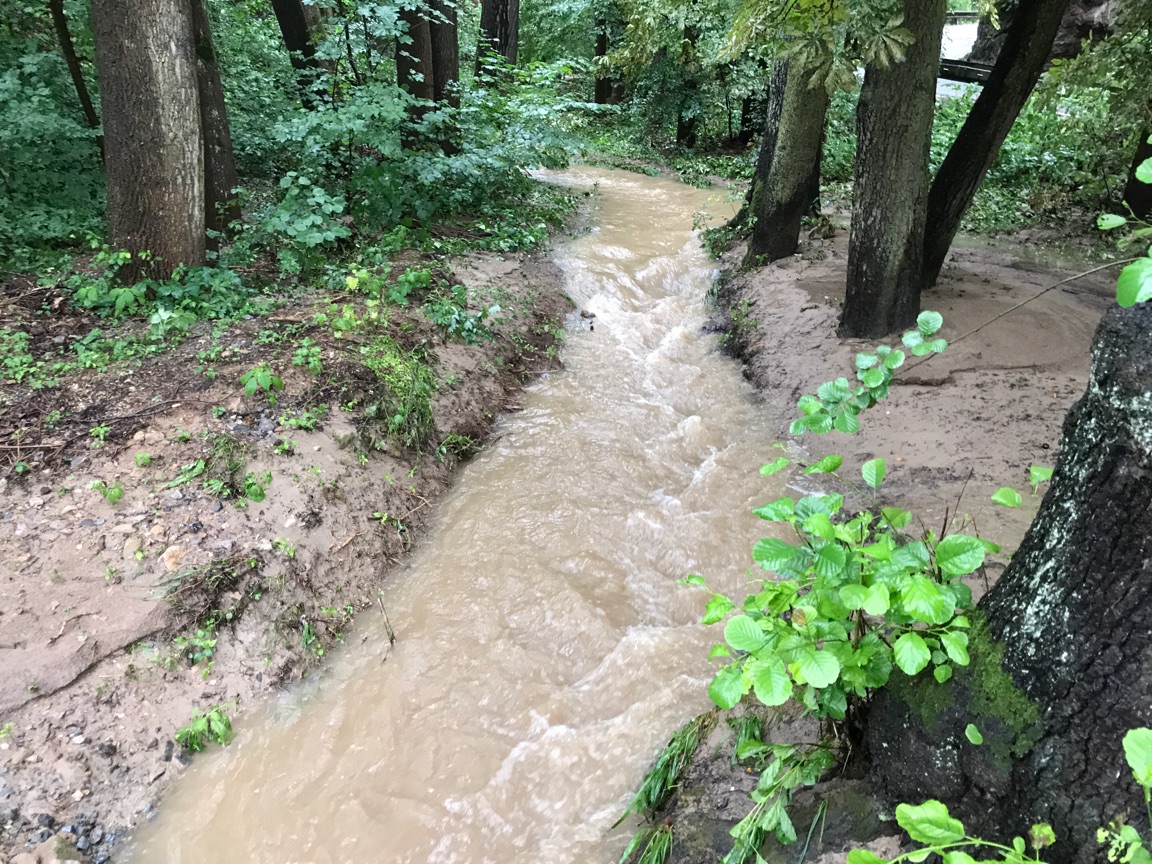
181,435
6,731
212,727
261,378
99,434
450,311
142,460
309,639
187,474
112,494
200,647
285,547
21,467
284,447
255,484
308,356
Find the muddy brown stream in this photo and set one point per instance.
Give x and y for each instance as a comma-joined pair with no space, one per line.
544,652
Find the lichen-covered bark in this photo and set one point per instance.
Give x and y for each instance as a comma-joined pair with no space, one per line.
773,104
781,201
1073,614
890,194
154,152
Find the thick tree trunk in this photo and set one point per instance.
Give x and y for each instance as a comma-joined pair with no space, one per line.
415,72
772,106
499,30
154,147
1070,622
781,201
603,87
1138,195
890,193
221,208
60,22
1027,41
445,52
297,34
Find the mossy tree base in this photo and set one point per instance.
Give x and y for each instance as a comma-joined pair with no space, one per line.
1072,615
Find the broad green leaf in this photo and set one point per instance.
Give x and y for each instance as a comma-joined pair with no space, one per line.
826,465
853,596
809,405
874,471
778,464
1038,474
874,377
894,360
929,823
819,525
830,559
958,857
863,856
924,599
727,687
772,553
743,634
988,545
866,361
1007,497
1144,171
896,517
1108,221
719,650
973,734
717,608
956,646
770,681
959,554
1041,835
692,579
929,322
819,668
780,510
847,422
1138,752
942,673
911,654
878,601
1135,283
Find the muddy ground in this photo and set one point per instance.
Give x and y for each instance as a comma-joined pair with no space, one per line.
954,429
246,537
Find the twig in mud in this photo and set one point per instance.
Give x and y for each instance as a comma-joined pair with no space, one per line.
387,623
346,542
1025,302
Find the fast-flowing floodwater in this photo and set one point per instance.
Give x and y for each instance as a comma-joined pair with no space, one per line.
545,653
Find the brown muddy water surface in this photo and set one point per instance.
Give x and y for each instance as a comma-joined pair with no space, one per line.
544,651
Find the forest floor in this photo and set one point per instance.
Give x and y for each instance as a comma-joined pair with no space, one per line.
955,428
230,538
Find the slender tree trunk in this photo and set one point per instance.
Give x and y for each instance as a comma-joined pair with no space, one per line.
1138,195
499,30
1027,42
154,147
603,87
773,105
780,202
221,208
415,72
1062,660
890,192
752,110
60,22
297,34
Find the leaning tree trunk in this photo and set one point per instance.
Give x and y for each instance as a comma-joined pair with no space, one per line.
1062,666
781,201
1027,41
772,106
154,151
60,22
1138,195
890,193
499,31
297,34
221,207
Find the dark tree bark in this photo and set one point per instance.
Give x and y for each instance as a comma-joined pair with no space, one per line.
499,30
297,34
60,22
154,147
780,201
1138,195
1070,622
603,87
221,208
415,72
752,117
890,192
773,105
1027,42
445,52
